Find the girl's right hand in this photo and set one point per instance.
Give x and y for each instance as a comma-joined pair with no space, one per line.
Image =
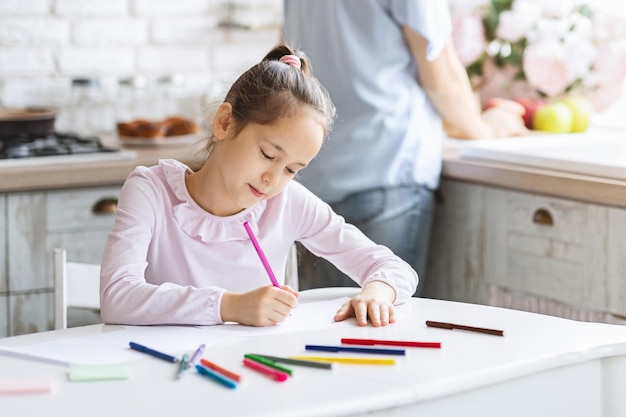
264,306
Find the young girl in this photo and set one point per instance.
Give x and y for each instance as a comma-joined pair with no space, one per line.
179,253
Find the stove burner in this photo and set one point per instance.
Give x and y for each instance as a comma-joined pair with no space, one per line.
48,144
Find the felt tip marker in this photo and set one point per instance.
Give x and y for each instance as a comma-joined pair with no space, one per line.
216,377
297,362
272,373
355,350
183,366
196,356
220,370
261,254
452,326
269,362
372,342
352,361
152,352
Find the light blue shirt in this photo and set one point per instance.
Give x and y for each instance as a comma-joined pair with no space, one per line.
387,132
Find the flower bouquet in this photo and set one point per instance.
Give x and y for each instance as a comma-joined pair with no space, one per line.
541,49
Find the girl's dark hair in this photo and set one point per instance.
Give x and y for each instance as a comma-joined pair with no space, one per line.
272,89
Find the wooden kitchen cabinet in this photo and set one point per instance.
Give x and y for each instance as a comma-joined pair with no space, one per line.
456,264
497,246
616,268
37,222
4,281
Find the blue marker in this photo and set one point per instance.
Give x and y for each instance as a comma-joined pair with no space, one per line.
152,352
355,349
216,376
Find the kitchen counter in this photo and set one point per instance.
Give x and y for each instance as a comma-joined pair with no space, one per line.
586,188
91,174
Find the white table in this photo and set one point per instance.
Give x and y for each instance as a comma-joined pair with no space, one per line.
543,366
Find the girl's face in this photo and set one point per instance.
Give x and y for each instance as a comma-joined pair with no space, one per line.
259,161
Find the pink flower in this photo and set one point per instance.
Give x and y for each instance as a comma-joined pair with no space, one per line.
545,66
468,37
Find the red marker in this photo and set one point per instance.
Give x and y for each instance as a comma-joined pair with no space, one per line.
371,342
273,373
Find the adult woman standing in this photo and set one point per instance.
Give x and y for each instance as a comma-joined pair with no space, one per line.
393,74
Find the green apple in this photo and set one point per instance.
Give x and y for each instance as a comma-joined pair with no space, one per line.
581,110
554,117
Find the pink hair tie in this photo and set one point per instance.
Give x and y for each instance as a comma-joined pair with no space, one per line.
292,60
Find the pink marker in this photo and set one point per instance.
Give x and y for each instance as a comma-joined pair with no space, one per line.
273,373
259,251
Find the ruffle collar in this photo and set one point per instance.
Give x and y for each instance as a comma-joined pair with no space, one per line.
198,223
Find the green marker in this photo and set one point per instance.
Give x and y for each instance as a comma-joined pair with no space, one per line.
183,366
268,362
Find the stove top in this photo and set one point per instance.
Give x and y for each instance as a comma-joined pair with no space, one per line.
55,148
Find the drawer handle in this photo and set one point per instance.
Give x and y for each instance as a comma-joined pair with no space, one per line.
543,217
105,205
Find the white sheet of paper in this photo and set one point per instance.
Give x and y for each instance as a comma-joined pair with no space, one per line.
112,347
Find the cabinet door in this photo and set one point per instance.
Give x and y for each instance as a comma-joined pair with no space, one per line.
617,261
4,280
37,223
79,221
457,250
548,247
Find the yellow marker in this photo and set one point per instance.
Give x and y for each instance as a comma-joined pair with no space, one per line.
354,361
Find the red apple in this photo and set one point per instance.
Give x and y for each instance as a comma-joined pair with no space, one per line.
530,105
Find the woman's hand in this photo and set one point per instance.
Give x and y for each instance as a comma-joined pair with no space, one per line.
264,306
374,302
505,118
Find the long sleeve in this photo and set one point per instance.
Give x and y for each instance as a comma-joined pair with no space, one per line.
327,235
126,297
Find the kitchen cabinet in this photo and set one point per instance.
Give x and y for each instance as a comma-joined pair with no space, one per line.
76,219
4,282
515,249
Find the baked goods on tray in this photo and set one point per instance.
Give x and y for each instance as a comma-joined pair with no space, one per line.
152,129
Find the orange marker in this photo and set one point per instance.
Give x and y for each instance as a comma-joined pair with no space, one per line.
219,369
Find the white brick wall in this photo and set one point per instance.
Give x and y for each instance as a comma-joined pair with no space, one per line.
33,31
45,43
110,31
24,7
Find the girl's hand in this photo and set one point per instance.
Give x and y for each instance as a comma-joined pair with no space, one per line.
264,306
374,302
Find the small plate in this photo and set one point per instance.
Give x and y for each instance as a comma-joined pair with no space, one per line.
162,141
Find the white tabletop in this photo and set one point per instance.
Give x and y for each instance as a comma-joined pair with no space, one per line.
542,366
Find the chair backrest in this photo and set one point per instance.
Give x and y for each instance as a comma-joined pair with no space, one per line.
75,285
291,268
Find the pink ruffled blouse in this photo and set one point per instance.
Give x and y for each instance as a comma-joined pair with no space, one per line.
168,261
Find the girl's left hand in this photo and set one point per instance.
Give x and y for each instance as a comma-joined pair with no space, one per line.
374,302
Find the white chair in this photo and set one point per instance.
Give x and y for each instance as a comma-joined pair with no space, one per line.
327,293
291,268
76,286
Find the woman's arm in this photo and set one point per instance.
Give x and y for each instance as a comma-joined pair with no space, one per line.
446,82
